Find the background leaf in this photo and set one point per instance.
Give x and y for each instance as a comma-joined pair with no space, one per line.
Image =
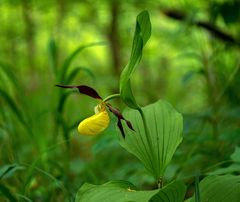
12,105
141,36
70,58
219,189
236,155
9,170
122,191
7,193
165,125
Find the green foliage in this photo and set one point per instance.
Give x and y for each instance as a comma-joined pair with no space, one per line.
219,189
12,105
234,167
7,193
141,36
65,75
192,60
121,191
165,134
236,155
9,170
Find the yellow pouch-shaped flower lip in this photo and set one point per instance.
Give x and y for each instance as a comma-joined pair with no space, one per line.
95,124
100,121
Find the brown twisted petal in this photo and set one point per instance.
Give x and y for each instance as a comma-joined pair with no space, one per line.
120,117
84,90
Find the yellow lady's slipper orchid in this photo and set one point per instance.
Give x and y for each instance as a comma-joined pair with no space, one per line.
95,124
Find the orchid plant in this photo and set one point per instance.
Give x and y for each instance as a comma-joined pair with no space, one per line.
151,133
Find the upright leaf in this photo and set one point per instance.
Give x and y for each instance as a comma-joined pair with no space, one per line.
141,36
165,126
53,55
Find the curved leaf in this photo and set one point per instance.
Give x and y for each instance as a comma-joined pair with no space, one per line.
165,126
141,36
70,58
7,69
9,170
122,191
219,189
73,73
12,105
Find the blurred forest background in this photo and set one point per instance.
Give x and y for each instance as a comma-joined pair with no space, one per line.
192,60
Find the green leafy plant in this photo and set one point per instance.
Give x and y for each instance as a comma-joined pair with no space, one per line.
153,134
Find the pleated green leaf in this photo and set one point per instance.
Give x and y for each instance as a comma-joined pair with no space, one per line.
141,36
165,126
219,189
122,191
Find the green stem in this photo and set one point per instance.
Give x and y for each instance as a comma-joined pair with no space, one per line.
160,182
110,97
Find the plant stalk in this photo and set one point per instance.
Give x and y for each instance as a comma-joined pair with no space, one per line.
160,182
110,97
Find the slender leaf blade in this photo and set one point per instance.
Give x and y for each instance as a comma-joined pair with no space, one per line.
9,170
53,55
141,36
12,105
71,57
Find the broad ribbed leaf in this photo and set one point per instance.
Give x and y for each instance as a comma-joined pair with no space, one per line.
141,36
122,191
219,189
165,126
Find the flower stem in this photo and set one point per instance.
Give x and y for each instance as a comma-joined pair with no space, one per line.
160,182
110,97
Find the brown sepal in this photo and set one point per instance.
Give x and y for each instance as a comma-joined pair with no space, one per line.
84,90
120,117
119,124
